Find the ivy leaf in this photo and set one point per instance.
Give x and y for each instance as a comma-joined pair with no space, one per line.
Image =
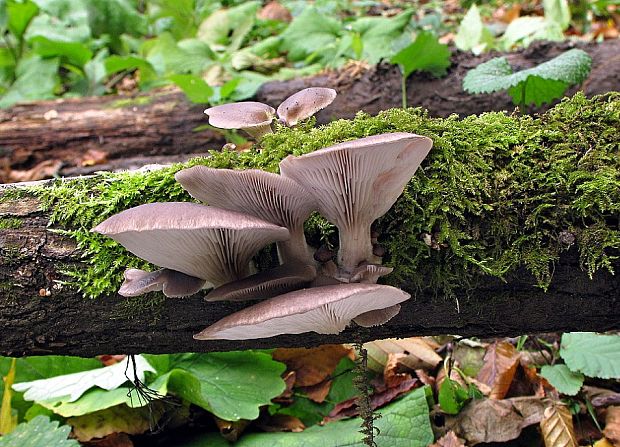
537,85
425,53
563,379
39,432
194,87
20,15
592,354
472,34
308,33
378,34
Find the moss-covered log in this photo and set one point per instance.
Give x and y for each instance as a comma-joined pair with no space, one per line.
511,226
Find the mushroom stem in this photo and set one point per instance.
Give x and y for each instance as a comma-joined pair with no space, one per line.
296,248
355,246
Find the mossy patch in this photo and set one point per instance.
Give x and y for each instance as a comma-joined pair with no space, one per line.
131,102
497,192
10,223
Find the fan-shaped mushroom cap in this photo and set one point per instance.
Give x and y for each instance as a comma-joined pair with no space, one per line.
266,284
356,182
268,196
326,310
377,317
173,284
253,117
370,273
304,104
200,241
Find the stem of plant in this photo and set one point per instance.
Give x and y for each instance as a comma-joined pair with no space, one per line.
364,403
403,88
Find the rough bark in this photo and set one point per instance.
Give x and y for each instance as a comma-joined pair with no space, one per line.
40,315
164,123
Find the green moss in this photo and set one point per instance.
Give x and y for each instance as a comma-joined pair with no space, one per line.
10,223
496,193
131,102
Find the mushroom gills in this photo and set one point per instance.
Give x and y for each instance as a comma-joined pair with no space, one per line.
173,284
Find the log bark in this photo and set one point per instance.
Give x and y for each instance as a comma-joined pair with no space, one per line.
41,315
73,132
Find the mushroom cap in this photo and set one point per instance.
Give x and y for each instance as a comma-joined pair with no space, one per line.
200,241
173,284
304,104
268,196
377,317
240,115
326,310
357,181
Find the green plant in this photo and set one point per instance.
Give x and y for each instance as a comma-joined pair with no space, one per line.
39,432
543,83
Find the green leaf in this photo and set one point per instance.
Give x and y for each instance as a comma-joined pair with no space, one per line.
525,30
404,423
231,385
36,79
452,396
115,17
592,354
308,33
225,29
472,34
166,56
378,34
115,64
74,52
20,15
61,20
424,54
194,87
571,67
558,12
39,432
562,378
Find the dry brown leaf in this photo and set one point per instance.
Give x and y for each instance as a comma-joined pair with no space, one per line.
425,378
318,392
392,375
282,422
230,430
603,443
275,11
557,426
612,425
449,440
601,397
93,157
118,419
113,440
45,169
500,364
313,365
507,13
419,352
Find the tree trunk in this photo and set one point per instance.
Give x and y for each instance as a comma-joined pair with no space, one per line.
71,136
41,315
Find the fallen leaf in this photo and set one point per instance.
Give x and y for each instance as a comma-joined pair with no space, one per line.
107,359
312,365
425,378
318,392
287,394
500,364
603,443
557,426
601,397
612,425
282,422
230,430
45,169
419,352
275,11
392,372
112,440
116,419
449,440
470,358
93,157
507,13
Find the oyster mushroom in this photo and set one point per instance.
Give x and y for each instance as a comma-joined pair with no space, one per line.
267,196
356,182
203,242
172,283
253,117
304,104
325,310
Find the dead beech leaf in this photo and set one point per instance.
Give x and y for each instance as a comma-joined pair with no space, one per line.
313,365
557,426
601,397
612,425
318,392
230,430
113,440
44,169
392,375
419,352
500,364
282,422
449,440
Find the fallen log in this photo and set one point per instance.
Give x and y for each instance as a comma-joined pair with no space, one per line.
71,132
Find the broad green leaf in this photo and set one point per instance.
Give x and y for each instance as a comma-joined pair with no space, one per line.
61,20
179,17
20,15
118,419
248,85
308,33
74,52
231,385
166,56
562,378
558,12
36,79
571,67
76,384
592,354
115,17
194,87
404,423
525,30
472,34
225,29
452,396
115,64
425,53
378,34
39,432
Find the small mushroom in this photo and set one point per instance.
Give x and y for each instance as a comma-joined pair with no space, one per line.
172,283
369,273
253,117
200,241
266,284
267,196
325,310
356,182
304,104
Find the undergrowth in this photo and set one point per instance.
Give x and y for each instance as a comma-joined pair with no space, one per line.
497,193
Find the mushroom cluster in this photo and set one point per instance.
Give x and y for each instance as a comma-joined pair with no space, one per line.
211,246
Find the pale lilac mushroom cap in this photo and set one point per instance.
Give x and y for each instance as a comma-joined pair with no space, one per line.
325,310
304,104
268,196
172,283
356,182
253,117
200,241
